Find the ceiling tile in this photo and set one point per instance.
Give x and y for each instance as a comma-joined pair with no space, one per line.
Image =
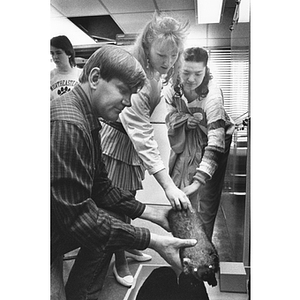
54,13
60,25
183,15
166,5
79,8
127,6
125,22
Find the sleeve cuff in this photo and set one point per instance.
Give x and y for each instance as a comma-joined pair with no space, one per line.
140,207
156,168
142,239
201,177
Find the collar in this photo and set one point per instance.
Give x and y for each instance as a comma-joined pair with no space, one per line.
87,108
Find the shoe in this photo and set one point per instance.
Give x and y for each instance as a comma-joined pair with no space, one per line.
127,281
143,257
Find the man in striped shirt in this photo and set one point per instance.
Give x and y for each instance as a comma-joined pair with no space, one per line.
86,210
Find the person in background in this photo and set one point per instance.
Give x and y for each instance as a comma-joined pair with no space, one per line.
128,145
200,133
65,75
86,209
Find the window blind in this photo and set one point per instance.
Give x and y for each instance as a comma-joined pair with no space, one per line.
230,68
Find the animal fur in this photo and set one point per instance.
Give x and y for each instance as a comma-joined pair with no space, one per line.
202,260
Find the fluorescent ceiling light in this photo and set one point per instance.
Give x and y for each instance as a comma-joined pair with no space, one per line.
209,11
244,12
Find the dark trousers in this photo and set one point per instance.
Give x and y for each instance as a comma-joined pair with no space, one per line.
86,277
207,200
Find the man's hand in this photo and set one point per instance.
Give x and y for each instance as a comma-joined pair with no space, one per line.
158,216
168,248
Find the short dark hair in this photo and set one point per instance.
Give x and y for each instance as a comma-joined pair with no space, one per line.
115,62
197,54
62,42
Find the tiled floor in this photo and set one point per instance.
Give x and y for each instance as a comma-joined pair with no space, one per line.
228,239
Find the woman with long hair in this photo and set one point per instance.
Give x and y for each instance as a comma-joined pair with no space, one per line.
129,147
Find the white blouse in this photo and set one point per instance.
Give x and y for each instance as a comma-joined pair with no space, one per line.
136,121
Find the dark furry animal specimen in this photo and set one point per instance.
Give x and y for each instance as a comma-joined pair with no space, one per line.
202,260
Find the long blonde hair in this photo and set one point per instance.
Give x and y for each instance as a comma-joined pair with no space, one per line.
164,28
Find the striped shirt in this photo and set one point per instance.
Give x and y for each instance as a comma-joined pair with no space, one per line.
80,189
215,124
